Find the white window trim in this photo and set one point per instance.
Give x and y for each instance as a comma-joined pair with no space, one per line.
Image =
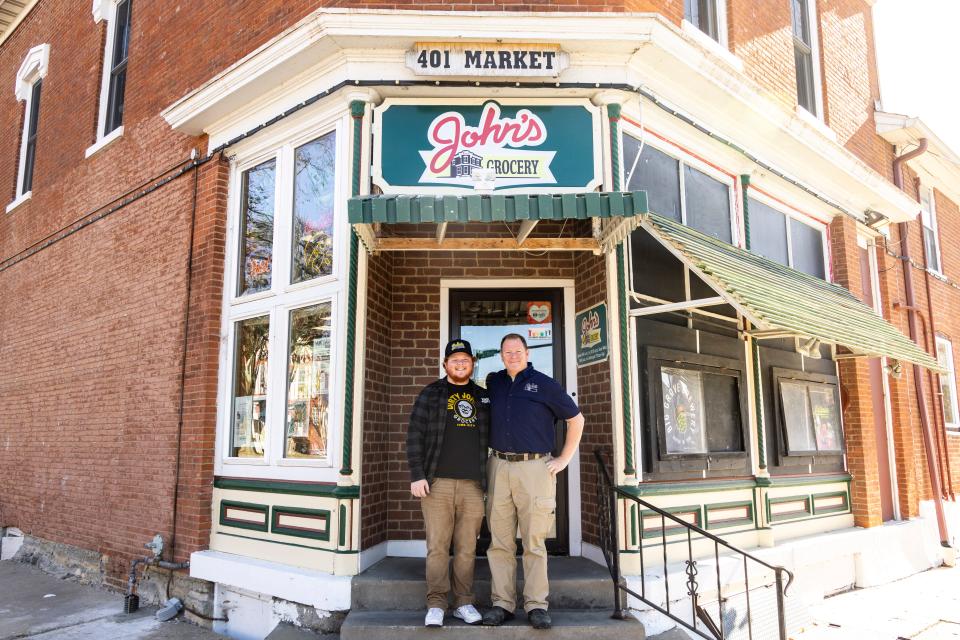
280,300
685,158
33,68
932,219
815,61
721,47
952,379
795,214
105,10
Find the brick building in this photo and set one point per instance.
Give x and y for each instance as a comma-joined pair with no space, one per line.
226,271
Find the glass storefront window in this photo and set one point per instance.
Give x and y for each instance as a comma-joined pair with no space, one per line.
249,406
811,417
313,193
256,224
308,382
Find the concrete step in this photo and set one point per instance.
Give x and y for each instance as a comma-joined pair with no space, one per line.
567,625
395,584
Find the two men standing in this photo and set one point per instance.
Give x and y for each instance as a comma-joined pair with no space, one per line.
520,476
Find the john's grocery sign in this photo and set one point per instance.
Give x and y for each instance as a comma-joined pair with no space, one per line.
499,146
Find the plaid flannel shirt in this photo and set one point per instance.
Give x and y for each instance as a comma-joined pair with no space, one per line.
428,421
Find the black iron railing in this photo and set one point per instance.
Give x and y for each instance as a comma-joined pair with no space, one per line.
750,621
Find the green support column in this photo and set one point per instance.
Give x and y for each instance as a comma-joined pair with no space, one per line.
754,349
357,109
613,113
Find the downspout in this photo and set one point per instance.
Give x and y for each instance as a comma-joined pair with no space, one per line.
928,447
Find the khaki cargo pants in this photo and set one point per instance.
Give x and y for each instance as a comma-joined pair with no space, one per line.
521,493
453,510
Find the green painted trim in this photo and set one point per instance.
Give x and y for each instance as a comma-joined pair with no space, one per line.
357,111
686,486
342,540
831,494
774,481
670,530
758,404
248,506
789,516
276,512
288,544
749,519
633,525
811,518
324,490
744,186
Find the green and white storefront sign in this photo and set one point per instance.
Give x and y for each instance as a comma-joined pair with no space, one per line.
591,335
459,146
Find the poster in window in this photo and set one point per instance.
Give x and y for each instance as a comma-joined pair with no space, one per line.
683,419
826,418
796,417
242,422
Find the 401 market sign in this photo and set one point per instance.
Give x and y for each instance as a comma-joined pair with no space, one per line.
478,59
494,145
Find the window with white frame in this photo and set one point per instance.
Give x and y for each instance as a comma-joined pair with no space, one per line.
693,195
786,239
706,15
118,14
29,83
931,238
805,54
282,323
948,383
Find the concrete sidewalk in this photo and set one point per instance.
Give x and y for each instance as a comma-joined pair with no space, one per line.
34,604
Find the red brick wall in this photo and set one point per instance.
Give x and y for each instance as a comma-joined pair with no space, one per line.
760,35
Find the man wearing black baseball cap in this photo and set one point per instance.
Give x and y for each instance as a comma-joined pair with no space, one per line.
447,455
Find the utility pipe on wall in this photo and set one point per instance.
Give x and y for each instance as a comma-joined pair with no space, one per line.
928,447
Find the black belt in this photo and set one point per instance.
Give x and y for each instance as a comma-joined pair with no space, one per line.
518,457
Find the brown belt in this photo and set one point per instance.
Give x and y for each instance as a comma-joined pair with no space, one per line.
518,457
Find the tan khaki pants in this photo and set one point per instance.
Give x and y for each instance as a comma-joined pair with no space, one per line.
453,510
521,493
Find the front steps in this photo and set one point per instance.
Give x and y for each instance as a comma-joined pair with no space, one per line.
388,603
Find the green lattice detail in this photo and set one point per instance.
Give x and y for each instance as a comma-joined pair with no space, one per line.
357,109
613,112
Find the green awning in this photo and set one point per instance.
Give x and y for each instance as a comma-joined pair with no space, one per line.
391,209
774,297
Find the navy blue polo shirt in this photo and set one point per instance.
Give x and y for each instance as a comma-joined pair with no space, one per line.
523,410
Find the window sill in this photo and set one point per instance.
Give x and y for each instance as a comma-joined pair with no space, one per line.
103,142
711,45
19,201
816,123
939,276
953,430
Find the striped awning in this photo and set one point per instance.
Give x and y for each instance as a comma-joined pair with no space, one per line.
778,299
620,209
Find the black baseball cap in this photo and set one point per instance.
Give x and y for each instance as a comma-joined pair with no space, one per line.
457,346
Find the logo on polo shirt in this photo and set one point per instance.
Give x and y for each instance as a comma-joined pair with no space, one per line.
531,387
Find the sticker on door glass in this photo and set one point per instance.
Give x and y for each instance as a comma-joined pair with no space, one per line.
539,312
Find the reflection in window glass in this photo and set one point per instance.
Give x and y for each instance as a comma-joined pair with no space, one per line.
948,382
826,418
657,174
707,203
683,411
256,224
249,412
796,416
768,232
308,382
314,165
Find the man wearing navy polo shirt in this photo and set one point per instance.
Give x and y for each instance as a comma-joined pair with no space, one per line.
522,478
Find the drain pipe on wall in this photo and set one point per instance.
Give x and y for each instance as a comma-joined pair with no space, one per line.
131,601
928,447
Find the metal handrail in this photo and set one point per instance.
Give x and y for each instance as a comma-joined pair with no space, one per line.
609,493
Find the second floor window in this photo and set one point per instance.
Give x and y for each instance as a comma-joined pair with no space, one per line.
28,89
703,15
803,52
30,138
948,383
786,240
117,66
931,238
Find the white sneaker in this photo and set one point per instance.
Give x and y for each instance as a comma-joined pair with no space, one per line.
434,617
468,613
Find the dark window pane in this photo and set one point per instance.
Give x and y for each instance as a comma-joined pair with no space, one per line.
656,271
806,96
248,436
256,228
807,246
657,174
768,232
683,411
703,14
708,204
121,34
801,27
118,67
314,166
118,85
930,246
826,417
721,396
30,155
